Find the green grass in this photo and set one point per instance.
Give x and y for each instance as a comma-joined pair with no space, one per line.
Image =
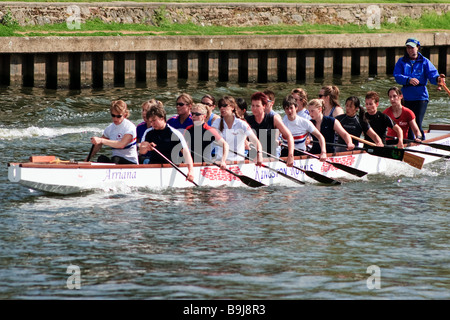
428,22
243,1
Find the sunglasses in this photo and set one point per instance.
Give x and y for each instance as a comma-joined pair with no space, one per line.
223,106
322,95
118,116
198,114
208,104
180,104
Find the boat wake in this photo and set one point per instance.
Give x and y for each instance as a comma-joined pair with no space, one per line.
31,132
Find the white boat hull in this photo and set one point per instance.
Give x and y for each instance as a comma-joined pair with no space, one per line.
69,178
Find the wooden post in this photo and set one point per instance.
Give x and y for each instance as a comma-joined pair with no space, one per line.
381,61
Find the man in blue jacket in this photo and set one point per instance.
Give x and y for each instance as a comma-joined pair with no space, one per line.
413,72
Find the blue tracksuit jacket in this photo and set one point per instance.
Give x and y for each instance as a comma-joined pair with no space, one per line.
422,69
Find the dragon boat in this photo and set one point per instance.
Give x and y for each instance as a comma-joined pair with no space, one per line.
50,174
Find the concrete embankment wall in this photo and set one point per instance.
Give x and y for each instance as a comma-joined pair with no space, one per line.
75,62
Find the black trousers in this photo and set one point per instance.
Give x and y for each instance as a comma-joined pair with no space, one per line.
114,159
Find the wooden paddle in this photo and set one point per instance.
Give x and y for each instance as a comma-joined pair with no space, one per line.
429,153
434,145
174,165
271,169
343,167
312,174
245,179
446,89
442,84
90,153
392,153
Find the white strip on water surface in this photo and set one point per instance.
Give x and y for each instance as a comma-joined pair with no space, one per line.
20,133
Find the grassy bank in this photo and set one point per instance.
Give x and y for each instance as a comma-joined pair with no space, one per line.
244,1
429,22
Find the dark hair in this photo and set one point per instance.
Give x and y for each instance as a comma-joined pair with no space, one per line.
270,94
289,100
229,100
357,104
242,104
333,92
210,97
156,109
397,91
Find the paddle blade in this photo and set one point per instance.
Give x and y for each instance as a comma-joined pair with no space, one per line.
390,153
413,160
321,178
250,182
245,179
397,154
43,159
353,171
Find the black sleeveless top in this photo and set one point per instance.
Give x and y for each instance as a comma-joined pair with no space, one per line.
327,130
266,132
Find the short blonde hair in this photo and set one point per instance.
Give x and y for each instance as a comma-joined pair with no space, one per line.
200,107
318,103
120,107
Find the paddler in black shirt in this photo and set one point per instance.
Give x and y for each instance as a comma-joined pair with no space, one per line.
265,126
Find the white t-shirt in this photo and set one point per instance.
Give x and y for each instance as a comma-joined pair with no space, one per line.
304,113
234,136
300,128
117,132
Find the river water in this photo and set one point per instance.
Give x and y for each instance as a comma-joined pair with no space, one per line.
381,237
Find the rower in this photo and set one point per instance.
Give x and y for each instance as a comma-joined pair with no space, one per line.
300,128
266,126
301,97
235,132
379,121
328,127
200,137
119,135
183,118
402,116
354,122
167,140
330,97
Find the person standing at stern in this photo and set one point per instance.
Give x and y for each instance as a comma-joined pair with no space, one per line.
413,71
